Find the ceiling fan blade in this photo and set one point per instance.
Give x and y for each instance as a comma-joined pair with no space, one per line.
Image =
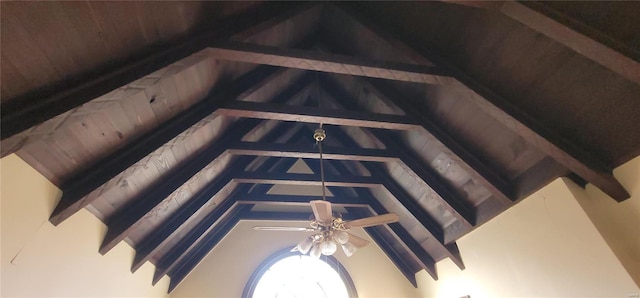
322,211
286,229
373,221
357,241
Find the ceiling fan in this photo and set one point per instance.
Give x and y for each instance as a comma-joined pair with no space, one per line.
330,230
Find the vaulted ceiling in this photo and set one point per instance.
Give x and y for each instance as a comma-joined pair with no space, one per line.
172,121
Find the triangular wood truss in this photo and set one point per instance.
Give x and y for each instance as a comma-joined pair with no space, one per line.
175,185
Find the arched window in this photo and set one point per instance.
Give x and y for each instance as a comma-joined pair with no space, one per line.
289,274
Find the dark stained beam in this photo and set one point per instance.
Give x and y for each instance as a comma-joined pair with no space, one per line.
483,173
424,218
325,62
216,233
272,215
212,238
81,184
315,115
578,160
296,200
576,35
121,223
306,179
435,230
447,195
405,239
311,151
43,106
413,247
220,215
279,165
171,227
378,235
409,203
175,224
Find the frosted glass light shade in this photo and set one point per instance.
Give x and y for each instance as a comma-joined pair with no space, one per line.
341,237
315,251
305,245
349,249
328,247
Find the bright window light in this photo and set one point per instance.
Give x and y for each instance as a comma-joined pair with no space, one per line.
300,276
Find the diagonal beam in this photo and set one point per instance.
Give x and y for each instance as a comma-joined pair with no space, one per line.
446,195
580,37
413,247
416,210
16,118
491,180
424,218
315,115
381,237
191,240
325,62
410,244
396,190
212,238
125,221
215,235
171,227
81,184
574,158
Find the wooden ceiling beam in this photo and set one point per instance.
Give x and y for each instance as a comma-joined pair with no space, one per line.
306,179
216,233
414,248
123,222
76,189
411,245
576,35
178,252
19,117
212,238
380,235
447,196
405,239
174,225
315,115
578,160
325,62
481,172
311,151
417,211
296,200
284,216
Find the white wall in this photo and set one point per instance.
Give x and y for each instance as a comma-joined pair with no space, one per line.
40,260
545,246
225,271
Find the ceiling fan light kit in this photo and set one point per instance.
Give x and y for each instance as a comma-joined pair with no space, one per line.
330,230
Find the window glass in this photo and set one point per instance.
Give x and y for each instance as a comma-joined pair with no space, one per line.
300,276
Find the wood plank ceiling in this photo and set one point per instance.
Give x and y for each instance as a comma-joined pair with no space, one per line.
172,121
